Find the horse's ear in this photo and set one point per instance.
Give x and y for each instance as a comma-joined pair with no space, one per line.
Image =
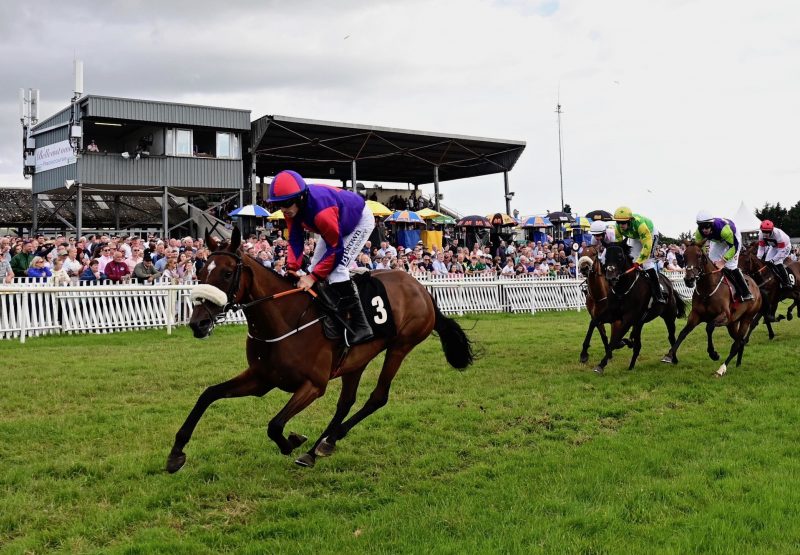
211,241
236,239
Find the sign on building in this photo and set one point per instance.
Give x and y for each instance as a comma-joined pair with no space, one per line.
54,156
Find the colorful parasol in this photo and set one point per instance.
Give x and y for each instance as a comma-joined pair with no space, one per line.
560,217
444,219
277,215
473,221
249,210
501,219
378,209
581,222
600,215
536,221
428,214
405,217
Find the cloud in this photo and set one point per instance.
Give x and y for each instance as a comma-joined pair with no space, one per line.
692,100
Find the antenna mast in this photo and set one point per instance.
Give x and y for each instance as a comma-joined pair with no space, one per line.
560,156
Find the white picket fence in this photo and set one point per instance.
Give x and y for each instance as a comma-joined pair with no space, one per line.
32,308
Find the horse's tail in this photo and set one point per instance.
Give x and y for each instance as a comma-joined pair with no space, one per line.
456,345
680,305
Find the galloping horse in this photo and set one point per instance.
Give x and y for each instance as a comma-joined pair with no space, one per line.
597,303
287,349
630,305
770,286
714,304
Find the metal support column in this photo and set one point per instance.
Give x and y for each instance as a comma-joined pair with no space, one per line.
353,175
508,193
78,211
436,187
116,212
165,214
34,214
253,180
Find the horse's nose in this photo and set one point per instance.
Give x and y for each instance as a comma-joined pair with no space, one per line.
202,328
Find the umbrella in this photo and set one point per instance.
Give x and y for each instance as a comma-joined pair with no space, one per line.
581,222
600,215
444,219
560,217
473,221
503,219
428,214
249,210
406,217
378,209
536,221
277,215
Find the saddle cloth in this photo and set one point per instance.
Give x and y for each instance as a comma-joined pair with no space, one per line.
376,307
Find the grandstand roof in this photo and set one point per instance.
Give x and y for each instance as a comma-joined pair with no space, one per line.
326,150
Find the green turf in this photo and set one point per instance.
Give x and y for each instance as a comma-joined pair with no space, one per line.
526,452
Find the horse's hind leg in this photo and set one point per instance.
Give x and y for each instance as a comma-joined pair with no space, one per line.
246,383
602,329
303,396
347,397
585,350
636,336
379,396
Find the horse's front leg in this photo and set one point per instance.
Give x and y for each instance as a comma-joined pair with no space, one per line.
636,336
246,383
712,352
347,397
618,330
691,323
306,394
584,356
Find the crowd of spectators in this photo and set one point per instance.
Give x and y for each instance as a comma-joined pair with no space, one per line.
67,260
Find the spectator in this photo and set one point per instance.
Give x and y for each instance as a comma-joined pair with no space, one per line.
38,268
105,257
439,266
92,147
22,261
145,270
171,269
508,270
117,270
60,276
6,273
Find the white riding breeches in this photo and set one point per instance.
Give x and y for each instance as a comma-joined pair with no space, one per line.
636,250
353,243
718,248
777,256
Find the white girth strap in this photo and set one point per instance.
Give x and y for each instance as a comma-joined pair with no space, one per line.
205,292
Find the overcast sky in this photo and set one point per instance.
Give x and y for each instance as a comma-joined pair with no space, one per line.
669,106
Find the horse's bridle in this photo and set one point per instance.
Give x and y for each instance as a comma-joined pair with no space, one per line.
230,294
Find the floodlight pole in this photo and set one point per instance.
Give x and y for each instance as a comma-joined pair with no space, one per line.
34,214
165,214
353,175
508,193
79,212
560,157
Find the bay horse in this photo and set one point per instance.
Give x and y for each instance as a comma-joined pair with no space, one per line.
630,305
597,303
287,349
713,303
770,286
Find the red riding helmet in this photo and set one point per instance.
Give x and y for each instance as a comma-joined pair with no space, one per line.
767,226
286,185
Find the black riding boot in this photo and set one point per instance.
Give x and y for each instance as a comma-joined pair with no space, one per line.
352,313
739,283
655,286
783,275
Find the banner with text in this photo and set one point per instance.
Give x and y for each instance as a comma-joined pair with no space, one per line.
54,156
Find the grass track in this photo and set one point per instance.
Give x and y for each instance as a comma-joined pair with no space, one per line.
526,452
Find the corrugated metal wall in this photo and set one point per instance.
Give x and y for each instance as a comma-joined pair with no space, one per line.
58,118
53,179
162,112
195,173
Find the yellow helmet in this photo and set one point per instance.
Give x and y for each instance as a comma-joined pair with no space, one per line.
623,214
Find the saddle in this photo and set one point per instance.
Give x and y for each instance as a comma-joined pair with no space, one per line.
374,301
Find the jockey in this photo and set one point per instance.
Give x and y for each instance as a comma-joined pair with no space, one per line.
643,240
773,248
344,223
726,243
601,235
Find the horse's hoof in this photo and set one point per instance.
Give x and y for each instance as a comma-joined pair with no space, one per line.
296,440
325,448
175,462
667,359
713,355
306,460
598,370
722,371
584,358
